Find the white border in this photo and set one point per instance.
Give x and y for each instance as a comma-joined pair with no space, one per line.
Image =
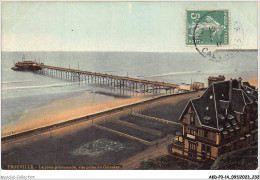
128,174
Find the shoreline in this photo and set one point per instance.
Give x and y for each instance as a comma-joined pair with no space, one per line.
64,110
114,112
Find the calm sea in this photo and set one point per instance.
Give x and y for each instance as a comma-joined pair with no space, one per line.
22,91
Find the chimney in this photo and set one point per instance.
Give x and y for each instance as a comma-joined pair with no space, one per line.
239,83
230,91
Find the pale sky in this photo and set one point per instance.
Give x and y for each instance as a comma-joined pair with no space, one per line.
111,26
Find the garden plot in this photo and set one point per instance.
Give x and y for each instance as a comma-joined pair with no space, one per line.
164,128
130,131
169,111
90,146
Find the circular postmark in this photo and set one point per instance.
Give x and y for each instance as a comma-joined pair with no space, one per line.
219,47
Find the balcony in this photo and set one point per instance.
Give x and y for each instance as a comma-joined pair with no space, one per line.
199,138
206,140
175,145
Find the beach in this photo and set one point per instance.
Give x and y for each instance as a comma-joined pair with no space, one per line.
253,82
65,109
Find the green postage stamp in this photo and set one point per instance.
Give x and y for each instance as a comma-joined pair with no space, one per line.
207,27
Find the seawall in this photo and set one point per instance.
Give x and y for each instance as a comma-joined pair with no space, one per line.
117,112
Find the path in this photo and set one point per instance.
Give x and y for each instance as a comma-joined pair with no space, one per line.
150,153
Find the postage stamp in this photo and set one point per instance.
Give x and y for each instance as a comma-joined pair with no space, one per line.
207,27
213,34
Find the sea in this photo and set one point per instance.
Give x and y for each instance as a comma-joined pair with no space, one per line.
24,91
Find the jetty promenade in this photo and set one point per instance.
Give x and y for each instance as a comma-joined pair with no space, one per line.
110,80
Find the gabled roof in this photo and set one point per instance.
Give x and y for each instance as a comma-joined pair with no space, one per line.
215,109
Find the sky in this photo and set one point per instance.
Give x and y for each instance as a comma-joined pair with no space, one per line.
111,26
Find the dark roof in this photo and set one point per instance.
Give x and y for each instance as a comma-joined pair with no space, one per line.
247,85
215,109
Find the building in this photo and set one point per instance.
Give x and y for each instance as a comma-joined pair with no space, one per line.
27,66
197,86
185,86
212,79
223,119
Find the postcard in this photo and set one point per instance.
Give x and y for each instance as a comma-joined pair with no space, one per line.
129,86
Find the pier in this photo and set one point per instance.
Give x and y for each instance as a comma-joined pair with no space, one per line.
134,84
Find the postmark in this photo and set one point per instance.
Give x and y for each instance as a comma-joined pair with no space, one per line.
213,34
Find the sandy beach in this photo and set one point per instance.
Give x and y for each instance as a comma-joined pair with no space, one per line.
65,109
253,82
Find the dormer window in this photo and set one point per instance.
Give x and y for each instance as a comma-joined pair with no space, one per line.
206,119
222,95
225,132
230,129
221,128
230,116
211,97
234,122
220,116
227,124
224,104
207,108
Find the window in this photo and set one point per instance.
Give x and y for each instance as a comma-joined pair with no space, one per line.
192,146
203,147
208,149
192,119
214,136
207,108
192,150
192,132
205,134
211,96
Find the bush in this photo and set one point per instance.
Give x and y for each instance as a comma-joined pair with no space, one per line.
243,159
